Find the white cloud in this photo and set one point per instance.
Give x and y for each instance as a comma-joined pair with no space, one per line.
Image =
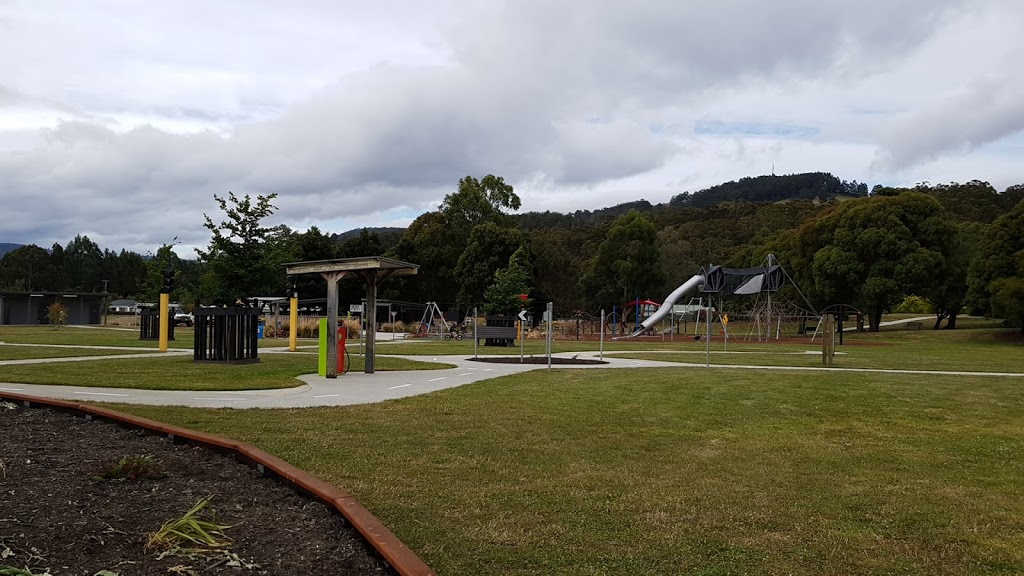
121,120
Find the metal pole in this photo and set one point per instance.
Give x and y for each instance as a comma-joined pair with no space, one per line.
522,340
476,341
550,310
293,322
707,328
602,334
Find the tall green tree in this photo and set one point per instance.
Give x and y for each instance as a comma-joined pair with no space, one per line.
164,259
28,268
872,252
974,201
490,248
478,201
129,274
997,277
57,260
436,240
627,264
429,243
312,245
948,293
243,258
363,245
83,265
503,296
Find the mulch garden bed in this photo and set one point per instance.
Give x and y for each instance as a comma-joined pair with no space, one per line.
59,516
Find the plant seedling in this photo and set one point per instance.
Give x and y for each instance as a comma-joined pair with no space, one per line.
134,468
190,530
12,571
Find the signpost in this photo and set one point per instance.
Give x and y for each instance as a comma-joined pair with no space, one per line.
522,335
548,314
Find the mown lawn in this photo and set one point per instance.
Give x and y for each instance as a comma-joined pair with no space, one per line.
89,336
979,350
180,373
30,352
664,471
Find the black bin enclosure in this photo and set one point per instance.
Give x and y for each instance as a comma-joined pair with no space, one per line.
226,335
149,324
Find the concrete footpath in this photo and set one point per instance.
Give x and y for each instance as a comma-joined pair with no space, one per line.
351,388
361,388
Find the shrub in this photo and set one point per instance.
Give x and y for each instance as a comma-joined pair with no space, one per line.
913,305
57,314
134,468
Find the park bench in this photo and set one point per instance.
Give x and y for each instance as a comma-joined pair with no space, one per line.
501,332
914,325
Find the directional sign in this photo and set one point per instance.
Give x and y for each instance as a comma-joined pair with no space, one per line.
522,315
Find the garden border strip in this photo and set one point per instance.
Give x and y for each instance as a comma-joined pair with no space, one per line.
403,560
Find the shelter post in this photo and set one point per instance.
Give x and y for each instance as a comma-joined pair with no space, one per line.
332,279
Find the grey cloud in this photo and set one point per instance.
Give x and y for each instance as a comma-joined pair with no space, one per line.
986,111
515,98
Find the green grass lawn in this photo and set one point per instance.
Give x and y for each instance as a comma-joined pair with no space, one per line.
31,352
979,350
180,373
89,336
663,471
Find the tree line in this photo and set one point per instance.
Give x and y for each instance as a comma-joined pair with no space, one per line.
955,246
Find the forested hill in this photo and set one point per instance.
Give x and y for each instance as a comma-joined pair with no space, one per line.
807,186
5,248
579,218
389,236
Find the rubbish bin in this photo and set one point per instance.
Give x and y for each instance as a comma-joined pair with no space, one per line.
259,330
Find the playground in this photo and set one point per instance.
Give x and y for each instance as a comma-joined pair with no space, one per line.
677,469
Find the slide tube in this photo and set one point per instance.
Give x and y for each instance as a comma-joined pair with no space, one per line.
696,281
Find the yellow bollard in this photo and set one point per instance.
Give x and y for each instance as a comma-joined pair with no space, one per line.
165,301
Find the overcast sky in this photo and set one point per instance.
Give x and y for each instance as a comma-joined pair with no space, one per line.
121,119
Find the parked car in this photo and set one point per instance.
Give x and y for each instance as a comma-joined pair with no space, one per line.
186,319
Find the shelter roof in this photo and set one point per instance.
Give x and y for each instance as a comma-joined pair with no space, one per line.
364,264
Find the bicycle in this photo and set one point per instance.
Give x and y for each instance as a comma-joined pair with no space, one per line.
453,335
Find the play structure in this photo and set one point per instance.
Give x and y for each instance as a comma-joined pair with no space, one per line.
762,304
433,322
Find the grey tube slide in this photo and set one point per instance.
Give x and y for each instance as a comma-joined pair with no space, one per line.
666,306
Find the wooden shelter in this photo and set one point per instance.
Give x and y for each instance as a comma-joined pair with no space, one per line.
372,270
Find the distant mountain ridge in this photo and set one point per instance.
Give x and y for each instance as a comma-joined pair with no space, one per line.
389,236
806,186
771,188
6,247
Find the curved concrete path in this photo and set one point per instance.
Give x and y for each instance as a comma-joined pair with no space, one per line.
361,388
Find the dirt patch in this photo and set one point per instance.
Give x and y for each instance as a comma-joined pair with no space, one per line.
56,515
537,360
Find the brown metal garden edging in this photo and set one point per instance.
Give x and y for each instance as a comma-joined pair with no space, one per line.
391,549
